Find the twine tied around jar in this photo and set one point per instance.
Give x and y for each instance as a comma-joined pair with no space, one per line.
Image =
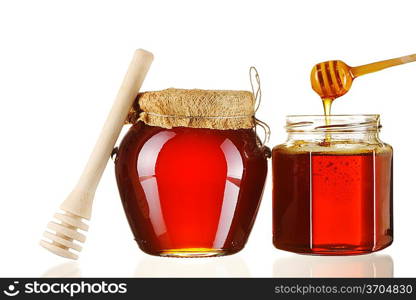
196,108
257,96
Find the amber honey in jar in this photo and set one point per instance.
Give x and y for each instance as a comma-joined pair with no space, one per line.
191,172
332,186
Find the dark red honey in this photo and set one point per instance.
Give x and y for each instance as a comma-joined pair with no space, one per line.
332,203
188,191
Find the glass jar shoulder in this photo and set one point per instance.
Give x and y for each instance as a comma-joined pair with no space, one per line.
334,147
145,132
151,139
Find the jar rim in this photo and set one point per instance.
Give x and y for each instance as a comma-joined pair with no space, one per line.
346,123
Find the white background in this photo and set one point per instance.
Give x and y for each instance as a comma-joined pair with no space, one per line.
61,64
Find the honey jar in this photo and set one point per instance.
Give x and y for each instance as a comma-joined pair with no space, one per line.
191,172
332,186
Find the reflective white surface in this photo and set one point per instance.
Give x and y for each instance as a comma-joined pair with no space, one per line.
372,265
66,269
217,267
292,265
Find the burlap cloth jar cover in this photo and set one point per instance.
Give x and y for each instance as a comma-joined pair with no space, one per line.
214,109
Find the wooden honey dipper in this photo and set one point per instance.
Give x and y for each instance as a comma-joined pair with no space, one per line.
332,79
78,204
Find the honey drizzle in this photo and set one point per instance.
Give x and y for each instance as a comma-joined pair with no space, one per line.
327,103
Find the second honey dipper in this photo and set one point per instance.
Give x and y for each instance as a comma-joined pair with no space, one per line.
78,204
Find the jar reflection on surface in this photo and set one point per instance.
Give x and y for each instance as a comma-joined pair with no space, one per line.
230,266
188,191
359,266
332,197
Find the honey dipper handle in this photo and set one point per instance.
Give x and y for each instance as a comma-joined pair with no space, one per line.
377,66
79,202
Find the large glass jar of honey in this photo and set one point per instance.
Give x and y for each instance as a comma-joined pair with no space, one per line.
191,172
332,186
